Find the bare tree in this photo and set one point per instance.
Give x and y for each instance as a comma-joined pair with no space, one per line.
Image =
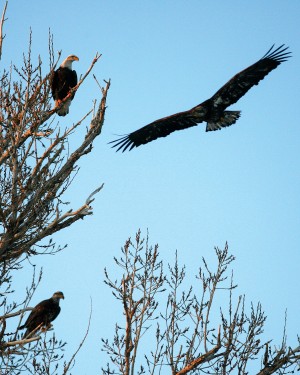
181,323
37,166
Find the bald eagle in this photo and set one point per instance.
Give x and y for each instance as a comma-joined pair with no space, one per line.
43,313
64,79
212,111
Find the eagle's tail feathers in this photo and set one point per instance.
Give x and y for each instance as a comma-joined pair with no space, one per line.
228,118
64,110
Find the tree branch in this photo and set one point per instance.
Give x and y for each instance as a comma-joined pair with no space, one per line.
281,360
1,28
67,365
203,358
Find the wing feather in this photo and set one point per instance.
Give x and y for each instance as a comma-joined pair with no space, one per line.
54,84
36,316
41,313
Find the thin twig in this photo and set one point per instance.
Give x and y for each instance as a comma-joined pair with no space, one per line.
67,366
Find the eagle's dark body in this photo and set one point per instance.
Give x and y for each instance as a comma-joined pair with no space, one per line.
211,111
43,313
63,80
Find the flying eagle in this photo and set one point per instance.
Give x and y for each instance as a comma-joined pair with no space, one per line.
212,111
64,79
43,313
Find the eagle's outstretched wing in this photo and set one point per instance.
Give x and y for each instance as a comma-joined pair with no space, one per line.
212,110
161,128
238,85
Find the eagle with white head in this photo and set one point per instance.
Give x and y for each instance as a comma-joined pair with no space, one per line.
64,79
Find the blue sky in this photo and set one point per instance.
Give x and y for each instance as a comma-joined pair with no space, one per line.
192,190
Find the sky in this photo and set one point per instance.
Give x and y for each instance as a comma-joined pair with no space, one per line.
191,190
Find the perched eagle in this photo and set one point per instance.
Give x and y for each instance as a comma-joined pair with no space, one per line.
43,313
64,79
212,111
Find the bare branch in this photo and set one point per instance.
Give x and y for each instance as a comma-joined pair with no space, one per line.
21,342
208,356
11,315
283,359
89,199
67,366
1,28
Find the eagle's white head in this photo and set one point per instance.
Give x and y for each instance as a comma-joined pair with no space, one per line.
67,63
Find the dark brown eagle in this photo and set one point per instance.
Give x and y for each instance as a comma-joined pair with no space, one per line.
212,111
64,79
43,313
